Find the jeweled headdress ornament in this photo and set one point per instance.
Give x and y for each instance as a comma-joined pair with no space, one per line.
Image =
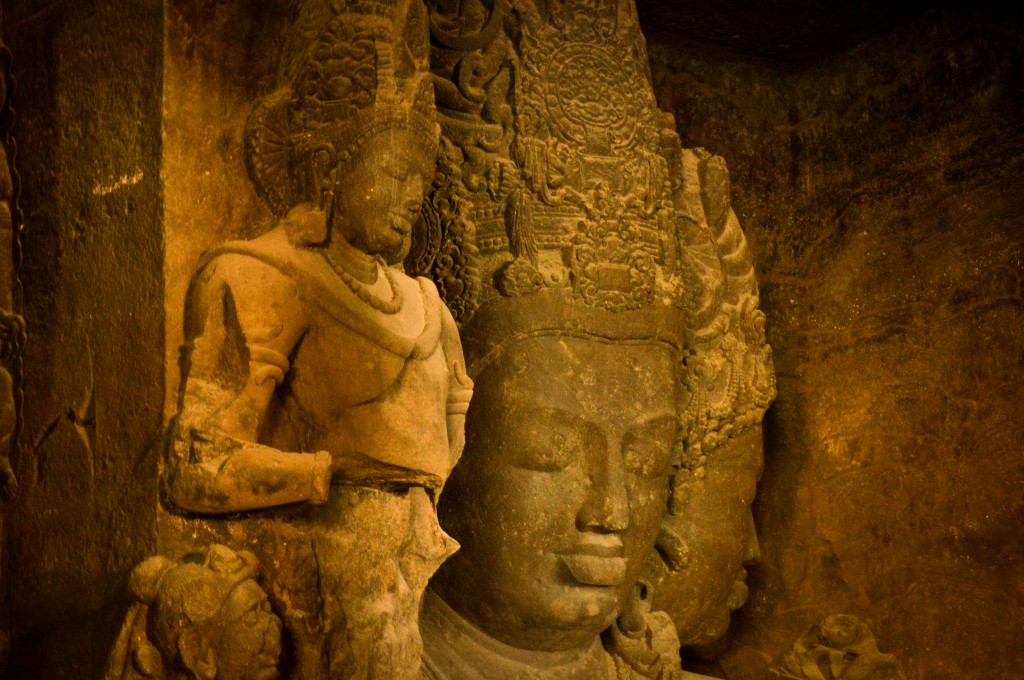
350,68
564,202
552,175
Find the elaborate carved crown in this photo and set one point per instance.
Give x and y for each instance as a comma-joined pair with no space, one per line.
564,202
559,173
349,69
554,165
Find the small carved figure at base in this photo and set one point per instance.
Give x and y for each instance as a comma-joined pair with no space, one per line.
838,648
642,643
204,618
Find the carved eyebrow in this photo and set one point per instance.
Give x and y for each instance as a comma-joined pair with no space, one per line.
576,420
565,418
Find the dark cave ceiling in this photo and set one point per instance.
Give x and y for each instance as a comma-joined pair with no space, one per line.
793,31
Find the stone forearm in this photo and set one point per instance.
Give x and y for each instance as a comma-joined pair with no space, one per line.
249,477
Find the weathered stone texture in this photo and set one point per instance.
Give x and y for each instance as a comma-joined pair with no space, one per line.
88,133
880,192
219,58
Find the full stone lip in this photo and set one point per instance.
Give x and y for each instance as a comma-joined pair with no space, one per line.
595,570
738,592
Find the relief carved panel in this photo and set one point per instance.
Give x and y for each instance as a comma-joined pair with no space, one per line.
608,314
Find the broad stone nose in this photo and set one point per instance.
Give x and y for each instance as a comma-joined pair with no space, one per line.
606,505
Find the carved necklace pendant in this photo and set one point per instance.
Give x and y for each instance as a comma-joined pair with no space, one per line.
363,292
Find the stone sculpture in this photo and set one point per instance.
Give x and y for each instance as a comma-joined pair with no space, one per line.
324,391
841,647
204,618
609,312
559,498
731,384
556,232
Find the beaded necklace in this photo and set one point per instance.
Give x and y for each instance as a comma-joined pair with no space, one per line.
362,292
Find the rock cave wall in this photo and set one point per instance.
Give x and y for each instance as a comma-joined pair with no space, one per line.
87,102
880,192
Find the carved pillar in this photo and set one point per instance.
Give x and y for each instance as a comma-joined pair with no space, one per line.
12,331
88,102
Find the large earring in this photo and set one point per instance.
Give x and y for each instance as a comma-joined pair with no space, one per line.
306,225
309,224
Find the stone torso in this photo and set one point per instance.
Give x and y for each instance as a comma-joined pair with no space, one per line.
354,381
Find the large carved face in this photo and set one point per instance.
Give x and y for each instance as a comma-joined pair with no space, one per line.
558,498
718,526
379,192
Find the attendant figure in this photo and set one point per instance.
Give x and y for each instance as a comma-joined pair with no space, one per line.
204,618
324,390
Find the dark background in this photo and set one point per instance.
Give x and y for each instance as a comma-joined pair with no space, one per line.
877,156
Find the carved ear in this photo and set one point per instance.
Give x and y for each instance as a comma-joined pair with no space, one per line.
197,655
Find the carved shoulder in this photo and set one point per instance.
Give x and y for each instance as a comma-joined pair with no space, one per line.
246,294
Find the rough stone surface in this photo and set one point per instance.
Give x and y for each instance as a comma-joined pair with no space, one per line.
880,192
323,390
609,311
88,100
12,324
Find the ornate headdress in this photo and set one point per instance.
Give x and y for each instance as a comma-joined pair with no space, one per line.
564,201
552,178
350,68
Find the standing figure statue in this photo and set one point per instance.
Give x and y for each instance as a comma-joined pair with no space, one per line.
324,391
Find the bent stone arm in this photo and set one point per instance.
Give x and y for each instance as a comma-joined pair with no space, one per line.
245,476
243,328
